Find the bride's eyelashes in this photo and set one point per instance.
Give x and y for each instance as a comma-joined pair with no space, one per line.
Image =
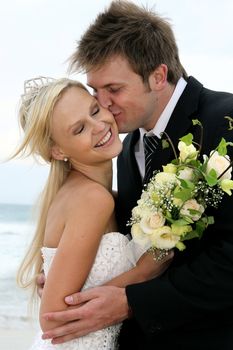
79,130
95,110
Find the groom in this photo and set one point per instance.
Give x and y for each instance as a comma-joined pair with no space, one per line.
132,63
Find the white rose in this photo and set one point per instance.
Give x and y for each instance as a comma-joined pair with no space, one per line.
151,221
186,174
163,238
193,205
219,164
164,178
137,211
138,235
187,152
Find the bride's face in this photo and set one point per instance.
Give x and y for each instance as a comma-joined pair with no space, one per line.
82,130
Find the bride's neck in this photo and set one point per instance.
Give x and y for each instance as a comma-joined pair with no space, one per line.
101,173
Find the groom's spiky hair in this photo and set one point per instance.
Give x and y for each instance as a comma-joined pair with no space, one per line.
138,34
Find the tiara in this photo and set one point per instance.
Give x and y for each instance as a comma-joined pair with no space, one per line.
32,86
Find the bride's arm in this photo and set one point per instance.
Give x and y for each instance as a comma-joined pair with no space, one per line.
85,224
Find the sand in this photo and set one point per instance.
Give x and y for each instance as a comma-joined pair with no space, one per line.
16,339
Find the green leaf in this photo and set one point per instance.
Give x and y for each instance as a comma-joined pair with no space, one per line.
195,163
203,167
201,226
210,220
186,184
190,235
222,147
180,222
175,161
183,194
169,219
187,139
188,219
181,246
211,178
165,144
196,122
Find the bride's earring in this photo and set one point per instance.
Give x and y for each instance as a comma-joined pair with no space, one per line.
65,159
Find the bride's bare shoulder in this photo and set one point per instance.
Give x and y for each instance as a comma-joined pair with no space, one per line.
89,194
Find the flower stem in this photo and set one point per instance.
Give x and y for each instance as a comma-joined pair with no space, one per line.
171,143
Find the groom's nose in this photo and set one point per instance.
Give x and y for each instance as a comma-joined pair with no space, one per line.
104,98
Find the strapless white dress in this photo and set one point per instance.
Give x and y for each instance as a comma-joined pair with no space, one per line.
110,262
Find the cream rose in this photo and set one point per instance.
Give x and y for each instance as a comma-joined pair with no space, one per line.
186,174
187,152
138,235
163,238
151,221
219,164
192,204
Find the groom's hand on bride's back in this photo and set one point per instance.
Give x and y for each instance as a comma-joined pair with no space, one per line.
40,281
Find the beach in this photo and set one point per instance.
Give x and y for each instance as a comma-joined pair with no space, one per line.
16,339
16,230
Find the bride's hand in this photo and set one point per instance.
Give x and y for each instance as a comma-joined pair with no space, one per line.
149,267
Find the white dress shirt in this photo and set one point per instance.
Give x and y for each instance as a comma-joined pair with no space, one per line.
160,126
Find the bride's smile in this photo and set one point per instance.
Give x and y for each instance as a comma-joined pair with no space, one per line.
105,140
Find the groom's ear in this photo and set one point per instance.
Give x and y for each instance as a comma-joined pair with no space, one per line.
57,153
158,78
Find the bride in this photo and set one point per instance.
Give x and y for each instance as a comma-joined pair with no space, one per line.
76,240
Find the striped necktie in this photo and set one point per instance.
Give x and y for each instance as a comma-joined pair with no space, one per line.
150,144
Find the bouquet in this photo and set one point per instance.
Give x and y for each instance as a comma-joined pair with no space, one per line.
172,207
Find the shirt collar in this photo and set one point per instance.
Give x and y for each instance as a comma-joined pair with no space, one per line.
163,120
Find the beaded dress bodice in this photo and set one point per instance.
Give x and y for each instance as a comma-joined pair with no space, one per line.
110,261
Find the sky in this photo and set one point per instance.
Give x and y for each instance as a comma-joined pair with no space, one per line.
38,36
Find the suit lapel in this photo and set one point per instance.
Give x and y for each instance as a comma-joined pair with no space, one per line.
132,166
179,123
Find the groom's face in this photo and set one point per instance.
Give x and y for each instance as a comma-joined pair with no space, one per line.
118,88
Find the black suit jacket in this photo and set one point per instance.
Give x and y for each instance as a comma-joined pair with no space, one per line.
191,304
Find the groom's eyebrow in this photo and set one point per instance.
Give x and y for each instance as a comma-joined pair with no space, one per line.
104,86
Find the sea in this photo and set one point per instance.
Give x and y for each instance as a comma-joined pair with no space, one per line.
16,231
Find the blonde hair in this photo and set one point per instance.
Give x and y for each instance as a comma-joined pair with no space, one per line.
35,113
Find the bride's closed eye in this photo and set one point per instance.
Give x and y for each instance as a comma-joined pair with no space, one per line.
95,110
79,130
